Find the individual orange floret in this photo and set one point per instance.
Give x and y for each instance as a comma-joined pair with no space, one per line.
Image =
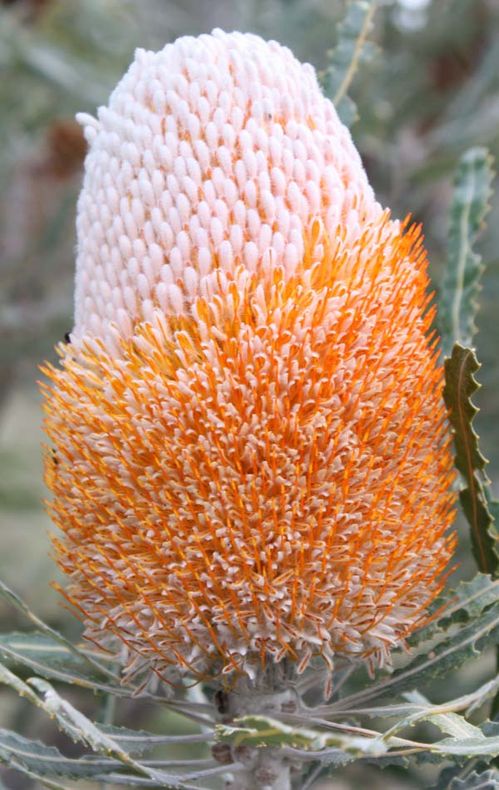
266,477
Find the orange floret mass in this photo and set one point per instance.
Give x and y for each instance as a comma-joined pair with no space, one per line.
266,475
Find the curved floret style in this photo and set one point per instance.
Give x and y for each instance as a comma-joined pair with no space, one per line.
249,449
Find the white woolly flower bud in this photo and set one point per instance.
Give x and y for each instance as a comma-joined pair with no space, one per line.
211,152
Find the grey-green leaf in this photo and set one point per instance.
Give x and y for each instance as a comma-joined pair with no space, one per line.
461,283
78,726
489,780
87,656
447,654
460,386
350,50
48,656
461,778
41,653
137,742
468,747
47,760
466,601
266,731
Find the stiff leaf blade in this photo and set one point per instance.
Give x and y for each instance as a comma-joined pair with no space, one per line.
12,598
350,50
47,760
451,652
489,780
460,386
461,778
460,605
263,731
461,283
50,659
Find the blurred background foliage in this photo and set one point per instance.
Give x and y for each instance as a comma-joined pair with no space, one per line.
430,91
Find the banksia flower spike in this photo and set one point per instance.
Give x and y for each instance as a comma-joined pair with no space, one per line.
250,456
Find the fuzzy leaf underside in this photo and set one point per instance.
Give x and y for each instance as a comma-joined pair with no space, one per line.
351,49
461,283
261,731
460,386
265,731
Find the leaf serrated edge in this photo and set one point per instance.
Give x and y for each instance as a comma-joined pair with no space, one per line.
356,35
474,175
460,386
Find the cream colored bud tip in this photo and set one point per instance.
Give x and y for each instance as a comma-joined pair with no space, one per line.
214,152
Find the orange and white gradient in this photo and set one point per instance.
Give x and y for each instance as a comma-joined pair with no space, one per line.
249,449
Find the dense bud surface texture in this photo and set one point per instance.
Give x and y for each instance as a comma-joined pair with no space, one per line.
251,450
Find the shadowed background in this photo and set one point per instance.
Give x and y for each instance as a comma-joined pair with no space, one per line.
429,92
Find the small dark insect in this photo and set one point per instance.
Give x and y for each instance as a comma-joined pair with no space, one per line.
67,337
221,701
55,459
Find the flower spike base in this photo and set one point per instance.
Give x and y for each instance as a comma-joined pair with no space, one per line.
272,694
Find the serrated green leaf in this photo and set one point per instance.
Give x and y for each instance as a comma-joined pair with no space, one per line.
493,508
19,604
466,601
81,728
461,283
447,654
50,659
456,771
489,780
465,607
128,780
50,655
43,780
417,704
137,742
460,385
351,49
47,760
